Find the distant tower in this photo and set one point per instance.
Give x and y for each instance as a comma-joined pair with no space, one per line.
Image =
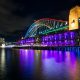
74,18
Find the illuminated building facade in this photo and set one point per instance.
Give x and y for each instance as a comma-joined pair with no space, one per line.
74,18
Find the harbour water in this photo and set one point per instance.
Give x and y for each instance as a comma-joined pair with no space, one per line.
29,64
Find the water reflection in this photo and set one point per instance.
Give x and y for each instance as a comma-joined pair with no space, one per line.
24,64
2,64
51,64
2,59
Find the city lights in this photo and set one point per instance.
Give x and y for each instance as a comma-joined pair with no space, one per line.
3,46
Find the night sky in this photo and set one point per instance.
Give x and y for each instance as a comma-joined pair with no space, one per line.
20,14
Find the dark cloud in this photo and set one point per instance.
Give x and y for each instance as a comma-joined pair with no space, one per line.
9,21
16,14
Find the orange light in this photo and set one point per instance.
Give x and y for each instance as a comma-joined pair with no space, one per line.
73,18
73,25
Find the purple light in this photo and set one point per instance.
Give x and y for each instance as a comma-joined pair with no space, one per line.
26,61
72,42
55,37
66,35
72,35
27,41
60,43
60,36
62,39
55,43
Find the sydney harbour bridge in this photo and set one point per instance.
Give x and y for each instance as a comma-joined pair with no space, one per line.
42,26
52,32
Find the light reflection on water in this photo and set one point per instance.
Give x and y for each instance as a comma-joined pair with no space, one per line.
23,64
3,59
58,64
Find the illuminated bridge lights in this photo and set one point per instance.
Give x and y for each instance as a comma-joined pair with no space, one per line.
49,23
26,41
63,39
59,43
54,40
60,39
53,30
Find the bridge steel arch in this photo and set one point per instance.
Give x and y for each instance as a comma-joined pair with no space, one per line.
48,22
